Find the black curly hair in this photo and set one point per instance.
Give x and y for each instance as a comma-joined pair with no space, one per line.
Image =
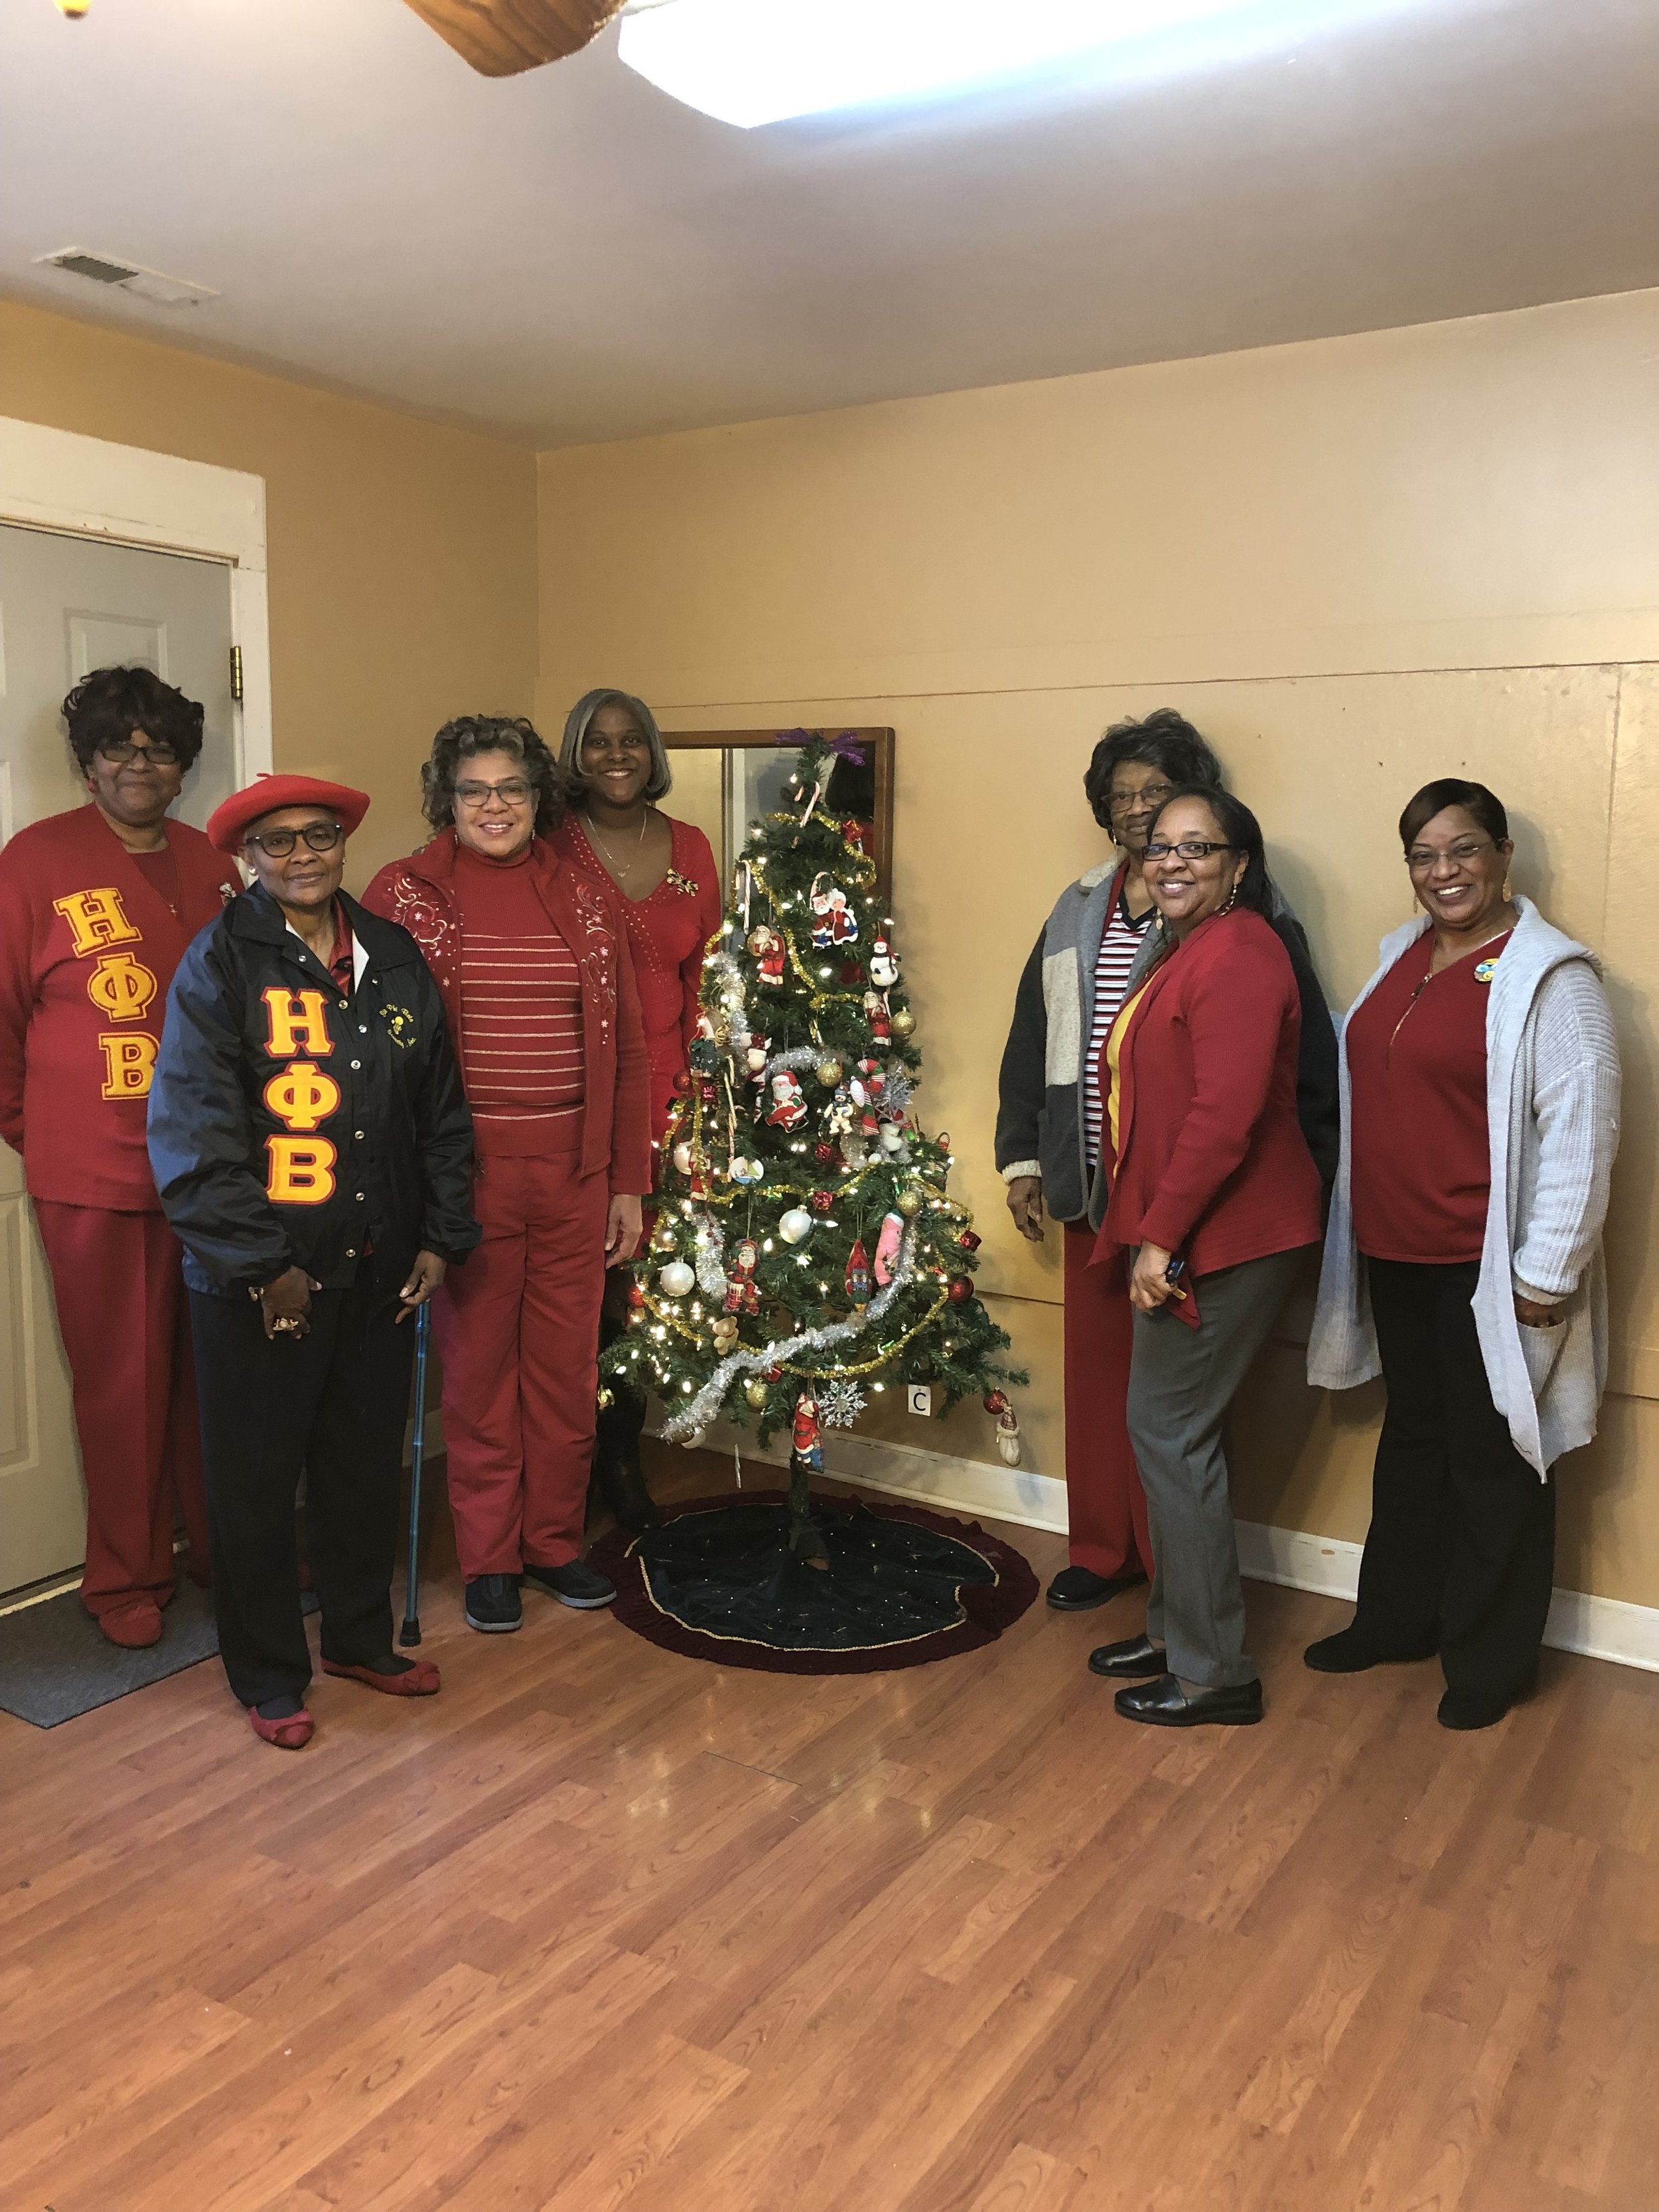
1164,739
108,706
468,734
1239,829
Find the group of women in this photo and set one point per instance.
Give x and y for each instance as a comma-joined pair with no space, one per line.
1173,1091
448,1091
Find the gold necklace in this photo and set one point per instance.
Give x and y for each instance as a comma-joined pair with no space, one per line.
618,867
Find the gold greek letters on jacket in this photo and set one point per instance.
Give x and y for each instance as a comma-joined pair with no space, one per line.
301,1170
121,987
96,919
295,1023
129,1062
302,1096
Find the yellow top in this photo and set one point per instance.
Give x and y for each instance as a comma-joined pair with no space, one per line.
1114,1053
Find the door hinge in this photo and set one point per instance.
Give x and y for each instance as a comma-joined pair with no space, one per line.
236,673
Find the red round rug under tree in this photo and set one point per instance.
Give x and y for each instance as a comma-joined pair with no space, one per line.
898,1586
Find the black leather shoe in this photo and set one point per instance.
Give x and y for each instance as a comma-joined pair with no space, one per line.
1076,1590
1344,1654
1463,1708
1166,1705
492,1604
1134,1656
576,1584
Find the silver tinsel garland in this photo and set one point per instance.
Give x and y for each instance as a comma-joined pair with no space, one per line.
689,1420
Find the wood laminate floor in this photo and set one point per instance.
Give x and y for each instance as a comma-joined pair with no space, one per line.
602,1926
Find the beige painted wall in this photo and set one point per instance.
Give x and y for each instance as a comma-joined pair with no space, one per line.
402,555
1356,563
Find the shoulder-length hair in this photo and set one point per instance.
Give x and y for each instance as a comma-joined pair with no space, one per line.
1164,739
470,735
576,723
1485,807
1241,830
108,706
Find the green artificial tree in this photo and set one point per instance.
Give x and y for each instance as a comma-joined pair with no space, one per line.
806,1248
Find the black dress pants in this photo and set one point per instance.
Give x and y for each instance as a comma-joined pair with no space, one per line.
332,1402
1461,1552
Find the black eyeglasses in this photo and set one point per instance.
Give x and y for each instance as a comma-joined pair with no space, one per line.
278,844
1190,849
121,750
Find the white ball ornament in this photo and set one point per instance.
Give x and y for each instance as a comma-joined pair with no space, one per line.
681,1156
795,1225
676,1279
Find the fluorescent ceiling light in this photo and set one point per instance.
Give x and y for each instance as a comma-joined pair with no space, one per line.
757,61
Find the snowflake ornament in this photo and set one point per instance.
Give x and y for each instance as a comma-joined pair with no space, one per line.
839,1404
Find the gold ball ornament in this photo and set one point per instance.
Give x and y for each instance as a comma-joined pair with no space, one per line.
662,1236
908,1201
902,1023
756,1392
606,1397
827,1072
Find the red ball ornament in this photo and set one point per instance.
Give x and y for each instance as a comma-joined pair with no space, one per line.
635,1295
851,972
959,1289
683,1082
970,1243
996,1402
822,1200
825,1155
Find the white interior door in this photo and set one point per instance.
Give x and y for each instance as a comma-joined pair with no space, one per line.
67,606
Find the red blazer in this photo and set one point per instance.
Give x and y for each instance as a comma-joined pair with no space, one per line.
1211,1163
419,893
86,953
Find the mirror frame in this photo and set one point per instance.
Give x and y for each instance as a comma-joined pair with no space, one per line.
879,740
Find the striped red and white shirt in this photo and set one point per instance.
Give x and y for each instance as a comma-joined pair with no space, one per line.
521,1012
1119,943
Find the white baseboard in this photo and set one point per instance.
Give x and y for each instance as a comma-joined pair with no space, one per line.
1595,1627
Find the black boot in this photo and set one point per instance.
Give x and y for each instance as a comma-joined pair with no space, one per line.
618,1474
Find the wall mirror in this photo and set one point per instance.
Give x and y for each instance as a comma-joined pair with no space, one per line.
723,779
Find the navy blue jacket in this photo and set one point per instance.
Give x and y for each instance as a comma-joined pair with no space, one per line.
292,1124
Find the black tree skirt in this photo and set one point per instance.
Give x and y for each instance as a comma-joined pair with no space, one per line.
899,1586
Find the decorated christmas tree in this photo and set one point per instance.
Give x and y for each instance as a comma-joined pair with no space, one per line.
807,1252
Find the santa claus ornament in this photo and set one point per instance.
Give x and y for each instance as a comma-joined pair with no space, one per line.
771,957
832,923
742,1296
858,1276
805,1434
788,1109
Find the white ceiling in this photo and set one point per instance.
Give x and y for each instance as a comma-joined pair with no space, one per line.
570,256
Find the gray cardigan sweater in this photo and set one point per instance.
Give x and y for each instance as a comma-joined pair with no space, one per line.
1552,1084
1040,1117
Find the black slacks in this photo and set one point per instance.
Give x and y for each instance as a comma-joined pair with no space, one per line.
332,1402
1461,1552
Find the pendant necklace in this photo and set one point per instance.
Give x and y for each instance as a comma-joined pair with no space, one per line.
618,867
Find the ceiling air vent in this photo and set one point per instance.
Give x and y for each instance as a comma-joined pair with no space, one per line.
126,276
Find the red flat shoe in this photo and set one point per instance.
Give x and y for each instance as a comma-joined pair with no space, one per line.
292,1733
420,1679
134,1626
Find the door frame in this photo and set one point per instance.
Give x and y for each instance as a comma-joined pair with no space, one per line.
84,487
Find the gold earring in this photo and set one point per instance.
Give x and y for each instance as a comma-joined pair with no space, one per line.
1507,894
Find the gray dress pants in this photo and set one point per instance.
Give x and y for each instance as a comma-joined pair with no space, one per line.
1182,1381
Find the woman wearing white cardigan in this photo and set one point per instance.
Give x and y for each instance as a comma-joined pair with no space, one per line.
1463,1261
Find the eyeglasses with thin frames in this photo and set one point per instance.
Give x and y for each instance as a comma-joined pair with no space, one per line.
278,844
120,751
512,793
1465,850
1190,849
1152,795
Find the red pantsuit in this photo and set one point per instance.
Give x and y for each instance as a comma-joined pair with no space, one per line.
519,1330
120,1302
1105,1503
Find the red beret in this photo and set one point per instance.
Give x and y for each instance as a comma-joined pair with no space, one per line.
228,825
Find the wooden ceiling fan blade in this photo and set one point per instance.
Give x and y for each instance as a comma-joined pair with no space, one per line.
503,37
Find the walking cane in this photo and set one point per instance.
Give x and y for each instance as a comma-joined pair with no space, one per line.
411,1631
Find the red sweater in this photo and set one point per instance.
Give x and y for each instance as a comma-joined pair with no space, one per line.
667,931
420,894
521,1011
1211,1162
88,948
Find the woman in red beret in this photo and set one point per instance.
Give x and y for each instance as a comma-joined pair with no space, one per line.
533,964
314,1152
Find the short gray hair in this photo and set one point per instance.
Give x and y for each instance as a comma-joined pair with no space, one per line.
581,714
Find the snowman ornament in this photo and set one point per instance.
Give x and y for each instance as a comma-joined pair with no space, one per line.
884,967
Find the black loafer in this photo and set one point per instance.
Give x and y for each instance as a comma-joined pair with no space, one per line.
492,1604
1164,1703
1077,1590
574,1584
1134,1656
1344,1653
1464,1709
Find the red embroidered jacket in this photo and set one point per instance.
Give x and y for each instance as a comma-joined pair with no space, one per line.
419,894
87,951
